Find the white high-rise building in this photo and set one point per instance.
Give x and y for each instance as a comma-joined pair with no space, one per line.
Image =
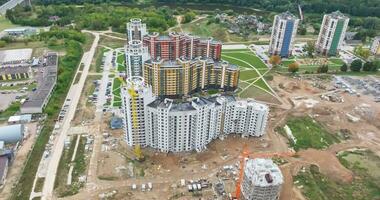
135,96
135,56
245,117
262,180
136,29
331,34
191,125
375,47
284,30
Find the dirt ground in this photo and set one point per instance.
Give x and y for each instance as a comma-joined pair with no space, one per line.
301,97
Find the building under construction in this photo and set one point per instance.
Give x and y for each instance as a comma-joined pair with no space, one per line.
262,180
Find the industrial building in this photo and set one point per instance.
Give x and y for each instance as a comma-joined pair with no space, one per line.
262,180
136,30
181,45
284,30
21,31
375,47
183,77
12,133
332,33
20,119
135,56
135,96
46,82
14,73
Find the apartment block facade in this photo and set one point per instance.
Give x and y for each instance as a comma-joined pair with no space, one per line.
331,34
184,77
136,29
375,47
135,56
135,96
262,180
185,126
284,30
180,45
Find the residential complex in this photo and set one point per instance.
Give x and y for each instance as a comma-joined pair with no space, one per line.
135,56
375,47
331,34
184,77
135,96
156,111
283,33
176,126
180,45
136,30
262,180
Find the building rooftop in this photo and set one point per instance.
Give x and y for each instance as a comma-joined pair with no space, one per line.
3,165
338,15
287,16
46,82
263,172
14,70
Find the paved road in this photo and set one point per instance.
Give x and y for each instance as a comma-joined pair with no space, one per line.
73,94
9,5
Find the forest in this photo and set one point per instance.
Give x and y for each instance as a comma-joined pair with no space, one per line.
91,16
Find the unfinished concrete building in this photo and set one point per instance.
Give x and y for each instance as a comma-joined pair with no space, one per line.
262,180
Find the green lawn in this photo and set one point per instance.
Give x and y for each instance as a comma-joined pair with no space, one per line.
309,133
11,110
249,74
116,92
249,58
337,61
5,23
235,50
121,62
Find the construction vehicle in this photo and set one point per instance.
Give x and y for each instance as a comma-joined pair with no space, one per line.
245,154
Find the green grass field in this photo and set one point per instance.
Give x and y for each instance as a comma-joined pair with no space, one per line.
365,185
250,66
309,133
5,23
121,62
116,90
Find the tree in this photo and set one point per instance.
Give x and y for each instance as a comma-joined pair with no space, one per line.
356,65
275,60
310,48
188,17
344,67
360,51
138,152
294,67
323,69
375,65
367,66
2,43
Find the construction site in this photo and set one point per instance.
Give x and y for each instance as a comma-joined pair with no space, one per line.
345,121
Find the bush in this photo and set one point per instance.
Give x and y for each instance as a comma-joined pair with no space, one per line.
344,67
356,65
323,69
367,66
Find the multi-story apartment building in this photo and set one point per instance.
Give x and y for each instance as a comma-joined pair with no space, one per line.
262,180
375,47
331,34
135,96
284,30
180,45
183,77
135,56
247,118
185,126
135,29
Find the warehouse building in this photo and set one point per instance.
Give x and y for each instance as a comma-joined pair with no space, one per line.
46,82
12,133
262,180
